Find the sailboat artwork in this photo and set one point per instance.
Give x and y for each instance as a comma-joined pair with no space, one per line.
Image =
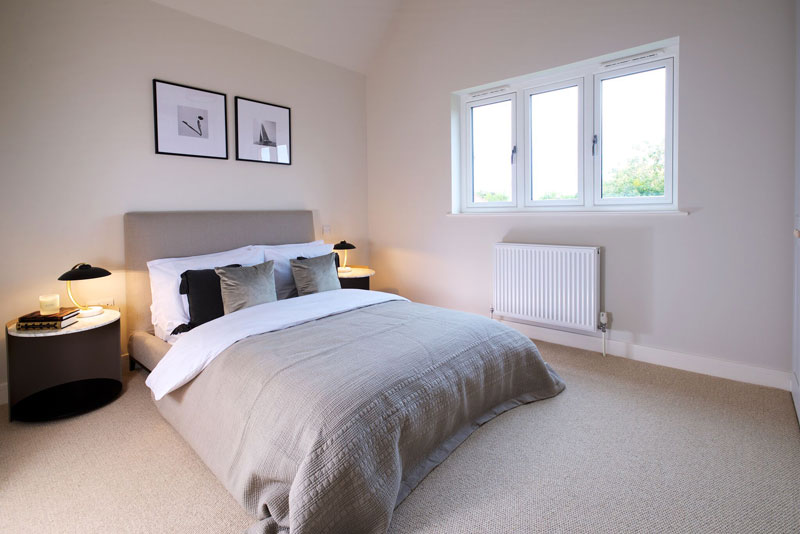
265,133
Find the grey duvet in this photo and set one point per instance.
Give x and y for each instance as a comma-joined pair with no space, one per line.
327,426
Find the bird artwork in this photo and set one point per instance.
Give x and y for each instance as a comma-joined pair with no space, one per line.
193,122
199,130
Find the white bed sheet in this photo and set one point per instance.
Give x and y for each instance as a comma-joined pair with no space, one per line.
196,349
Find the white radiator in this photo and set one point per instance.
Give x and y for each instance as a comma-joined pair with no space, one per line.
554,286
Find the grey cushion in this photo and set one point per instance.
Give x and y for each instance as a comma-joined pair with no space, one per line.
243,287
314,275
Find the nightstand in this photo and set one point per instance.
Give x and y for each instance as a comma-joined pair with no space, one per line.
61,373
357,278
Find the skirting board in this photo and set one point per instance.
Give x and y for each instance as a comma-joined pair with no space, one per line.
705,365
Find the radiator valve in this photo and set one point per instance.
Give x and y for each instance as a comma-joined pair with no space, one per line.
603,327
603,321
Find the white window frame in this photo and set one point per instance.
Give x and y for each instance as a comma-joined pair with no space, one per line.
528,177
468,186
667,199
588,76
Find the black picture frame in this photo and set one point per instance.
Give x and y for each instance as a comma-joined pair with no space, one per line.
213,145
256,110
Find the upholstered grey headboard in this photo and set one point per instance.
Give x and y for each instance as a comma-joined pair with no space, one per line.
169,234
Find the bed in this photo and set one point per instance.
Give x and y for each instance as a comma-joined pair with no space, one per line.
323,412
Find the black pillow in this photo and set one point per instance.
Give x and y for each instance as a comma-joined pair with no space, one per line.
201,287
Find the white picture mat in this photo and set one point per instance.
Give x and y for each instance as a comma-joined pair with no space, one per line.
168,98
250,114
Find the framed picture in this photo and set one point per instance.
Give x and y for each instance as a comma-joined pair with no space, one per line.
263,132
190,121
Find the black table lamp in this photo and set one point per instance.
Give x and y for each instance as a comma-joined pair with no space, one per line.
344,245
83,271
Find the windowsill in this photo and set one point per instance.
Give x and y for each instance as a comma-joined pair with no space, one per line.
579,213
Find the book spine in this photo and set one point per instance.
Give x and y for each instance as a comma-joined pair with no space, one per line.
40,325
36,317
24,320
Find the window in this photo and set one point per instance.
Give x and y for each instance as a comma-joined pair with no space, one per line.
593,136
554,137
492,144
631,119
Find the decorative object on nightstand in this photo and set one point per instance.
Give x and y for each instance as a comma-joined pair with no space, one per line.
356,278
49,304
58,373
344,245
83,271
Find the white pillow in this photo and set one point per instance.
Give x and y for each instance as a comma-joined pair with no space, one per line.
281,254
287,249
169,309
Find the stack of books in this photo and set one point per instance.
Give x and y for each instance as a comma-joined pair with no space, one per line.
37,321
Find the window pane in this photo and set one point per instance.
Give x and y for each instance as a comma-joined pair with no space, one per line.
554,144
492,175
634,111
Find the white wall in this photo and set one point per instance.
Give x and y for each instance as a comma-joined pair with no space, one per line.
76,137
796,316
716,283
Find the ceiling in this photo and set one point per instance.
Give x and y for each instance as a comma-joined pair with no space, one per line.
343,32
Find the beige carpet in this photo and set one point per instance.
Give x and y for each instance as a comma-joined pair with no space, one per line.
628,447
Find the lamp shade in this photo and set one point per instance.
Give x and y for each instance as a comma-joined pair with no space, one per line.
343,245
83,271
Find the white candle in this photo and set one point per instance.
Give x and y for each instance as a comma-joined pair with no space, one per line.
48,304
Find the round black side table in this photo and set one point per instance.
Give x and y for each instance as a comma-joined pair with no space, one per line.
61,373
356,278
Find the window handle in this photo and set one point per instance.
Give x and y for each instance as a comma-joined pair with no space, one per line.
513,153
594,144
